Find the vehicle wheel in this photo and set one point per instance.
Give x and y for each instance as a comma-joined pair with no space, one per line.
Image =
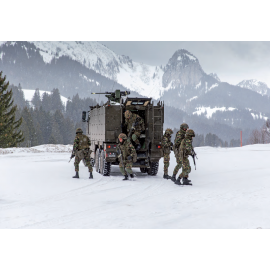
153,170
97,154
105,167
143,170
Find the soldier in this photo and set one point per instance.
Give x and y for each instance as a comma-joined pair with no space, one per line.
166,147
186,149
135,125
81,151
127,155
180,135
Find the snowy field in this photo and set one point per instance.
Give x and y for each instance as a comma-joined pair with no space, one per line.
231,188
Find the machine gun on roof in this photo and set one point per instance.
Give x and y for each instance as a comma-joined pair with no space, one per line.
114,96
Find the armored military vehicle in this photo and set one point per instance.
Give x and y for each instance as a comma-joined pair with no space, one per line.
106,122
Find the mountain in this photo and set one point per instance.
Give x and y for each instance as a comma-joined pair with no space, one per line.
256,86
85,67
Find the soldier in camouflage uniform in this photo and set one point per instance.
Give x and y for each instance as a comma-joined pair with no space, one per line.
186,149
135,125
81,151
180,135
166,147
127,155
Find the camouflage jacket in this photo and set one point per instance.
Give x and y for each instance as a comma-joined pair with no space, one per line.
166,143
127,149
139,126
186,147
180,135
81,142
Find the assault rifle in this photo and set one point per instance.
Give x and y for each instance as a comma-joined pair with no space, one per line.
193,154
131,129
120,156
72,156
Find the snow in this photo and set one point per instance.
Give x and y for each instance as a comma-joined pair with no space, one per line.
209,111
192,58
213,86
198,85
230,191
28,95
192,98
258,116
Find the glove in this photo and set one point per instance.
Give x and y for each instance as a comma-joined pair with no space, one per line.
129,158
171,144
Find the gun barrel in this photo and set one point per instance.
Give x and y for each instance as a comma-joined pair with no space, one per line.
102,93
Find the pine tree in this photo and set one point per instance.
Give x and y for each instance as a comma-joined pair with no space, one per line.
36,100
10,133
27,117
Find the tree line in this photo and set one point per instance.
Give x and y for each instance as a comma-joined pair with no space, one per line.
210,140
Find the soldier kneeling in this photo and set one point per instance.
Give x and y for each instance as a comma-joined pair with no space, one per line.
81,151
127,155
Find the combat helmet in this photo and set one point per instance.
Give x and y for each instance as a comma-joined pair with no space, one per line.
184,126
128,114
123,136
169,131
79,130
190,133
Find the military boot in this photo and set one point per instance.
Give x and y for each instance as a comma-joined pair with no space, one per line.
186,181
177,182
138,147
126,177
173,177
76,175
91,175
131,175
166,176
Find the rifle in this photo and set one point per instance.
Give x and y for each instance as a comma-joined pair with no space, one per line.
72,156
193,154
131,129
120,156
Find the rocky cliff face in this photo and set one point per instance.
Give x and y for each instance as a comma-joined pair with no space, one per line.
182,69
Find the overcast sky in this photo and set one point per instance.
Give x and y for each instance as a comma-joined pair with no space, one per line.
233,61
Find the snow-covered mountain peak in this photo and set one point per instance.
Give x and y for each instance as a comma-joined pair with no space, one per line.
183,69
255,85
182,57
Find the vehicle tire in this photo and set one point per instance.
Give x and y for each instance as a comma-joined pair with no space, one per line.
143,170
97,154
153,170
105,167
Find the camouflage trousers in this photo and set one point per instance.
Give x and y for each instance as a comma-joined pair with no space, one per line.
135,137
84,155
178,165
127,168
186,169
166,161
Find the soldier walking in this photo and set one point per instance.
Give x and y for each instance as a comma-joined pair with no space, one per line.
166,147
180,135
127,155
81,151
135,126
186,149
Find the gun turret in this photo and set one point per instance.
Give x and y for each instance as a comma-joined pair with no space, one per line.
114,96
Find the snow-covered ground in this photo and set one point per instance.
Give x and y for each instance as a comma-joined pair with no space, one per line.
230,190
